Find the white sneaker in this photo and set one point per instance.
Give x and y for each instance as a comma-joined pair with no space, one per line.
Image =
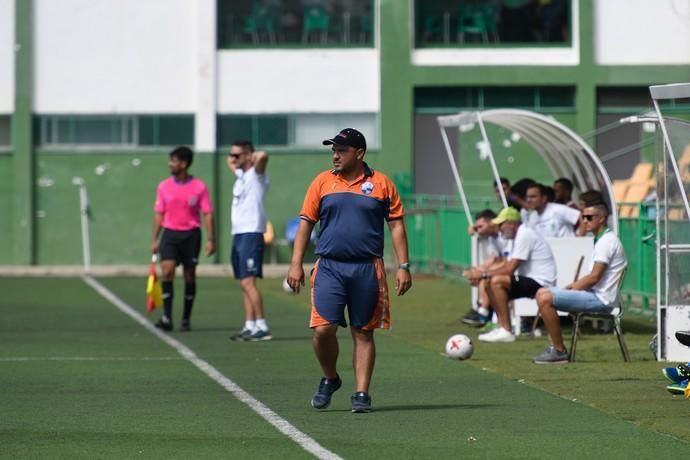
497,335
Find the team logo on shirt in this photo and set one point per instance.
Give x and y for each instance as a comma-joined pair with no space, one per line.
367,188
192,201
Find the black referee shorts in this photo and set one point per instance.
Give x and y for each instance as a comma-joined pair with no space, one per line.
181,246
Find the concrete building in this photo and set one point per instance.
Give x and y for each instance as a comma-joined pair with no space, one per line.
102,90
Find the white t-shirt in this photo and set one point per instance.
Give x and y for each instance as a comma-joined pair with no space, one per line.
557,220
496,246
536,256
248,215
491,246
608,250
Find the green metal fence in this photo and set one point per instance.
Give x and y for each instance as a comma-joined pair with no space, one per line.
439,242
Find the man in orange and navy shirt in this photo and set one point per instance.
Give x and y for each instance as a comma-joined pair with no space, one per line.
351,202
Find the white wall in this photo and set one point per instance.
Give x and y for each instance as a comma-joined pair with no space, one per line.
6,56
642,32
205,71
124,56
298,81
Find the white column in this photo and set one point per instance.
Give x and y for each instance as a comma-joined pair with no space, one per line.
205,76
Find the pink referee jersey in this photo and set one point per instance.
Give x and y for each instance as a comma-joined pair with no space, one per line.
180,203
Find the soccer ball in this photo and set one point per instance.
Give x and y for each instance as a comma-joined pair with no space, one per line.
286,287
459,346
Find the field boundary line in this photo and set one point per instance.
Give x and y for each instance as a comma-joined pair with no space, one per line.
281,424
71,271
86,358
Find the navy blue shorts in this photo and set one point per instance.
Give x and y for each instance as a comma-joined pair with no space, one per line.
361,285
247,255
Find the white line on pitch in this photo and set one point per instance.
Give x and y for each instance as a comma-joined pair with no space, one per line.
87,358
282,425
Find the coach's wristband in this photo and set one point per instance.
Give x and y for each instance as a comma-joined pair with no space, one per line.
404,266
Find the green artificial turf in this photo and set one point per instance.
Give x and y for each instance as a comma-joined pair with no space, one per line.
95,384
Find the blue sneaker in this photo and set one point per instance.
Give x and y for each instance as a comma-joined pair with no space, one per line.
677,374
260,335
474,318
678,388
322,397
242,336
361,402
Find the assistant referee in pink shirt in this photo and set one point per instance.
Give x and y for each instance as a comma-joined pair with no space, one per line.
180,200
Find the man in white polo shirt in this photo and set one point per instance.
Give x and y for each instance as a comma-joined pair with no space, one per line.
550,220
248,226
596,292
530,266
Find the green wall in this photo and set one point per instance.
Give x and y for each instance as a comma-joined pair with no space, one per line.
121,188
6,202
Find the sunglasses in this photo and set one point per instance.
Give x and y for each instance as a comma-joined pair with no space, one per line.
235,155
589,217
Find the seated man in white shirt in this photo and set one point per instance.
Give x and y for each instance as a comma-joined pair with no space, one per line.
495,254
530,266
550,220
596,292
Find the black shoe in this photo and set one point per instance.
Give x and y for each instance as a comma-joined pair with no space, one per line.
185,327
361,402
164,323
475,319
322,397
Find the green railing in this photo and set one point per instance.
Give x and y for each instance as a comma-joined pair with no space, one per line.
638,235
439,242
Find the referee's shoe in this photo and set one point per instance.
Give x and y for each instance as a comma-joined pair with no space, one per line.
164,323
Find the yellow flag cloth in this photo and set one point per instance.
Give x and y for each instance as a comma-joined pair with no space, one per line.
154,294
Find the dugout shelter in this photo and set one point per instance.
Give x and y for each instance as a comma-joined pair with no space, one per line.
564,152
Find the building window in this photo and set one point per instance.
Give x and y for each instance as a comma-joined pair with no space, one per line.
5,132
547,99
294,130
117,131
445,23
275,23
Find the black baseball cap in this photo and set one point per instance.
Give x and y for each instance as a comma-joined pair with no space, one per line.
348,136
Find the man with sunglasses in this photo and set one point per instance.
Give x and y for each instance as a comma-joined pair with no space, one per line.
351,202
248,227
595,292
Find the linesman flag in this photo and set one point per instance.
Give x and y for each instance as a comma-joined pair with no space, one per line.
154,294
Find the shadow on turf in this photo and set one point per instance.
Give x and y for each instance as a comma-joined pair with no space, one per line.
430,407
201,330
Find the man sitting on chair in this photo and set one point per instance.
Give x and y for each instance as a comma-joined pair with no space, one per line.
495,253
596,292
529,267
